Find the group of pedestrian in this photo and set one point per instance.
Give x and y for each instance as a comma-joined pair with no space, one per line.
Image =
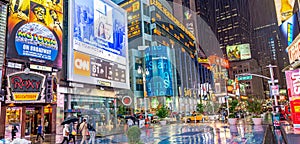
85,129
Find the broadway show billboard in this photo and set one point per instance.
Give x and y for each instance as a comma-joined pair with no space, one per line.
98,43
238,52
35,32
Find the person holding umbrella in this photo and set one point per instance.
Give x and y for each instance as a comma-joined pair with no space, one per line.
92,132
66,134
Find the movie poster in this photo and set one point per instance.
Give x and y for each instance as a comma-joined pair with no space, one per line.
35,32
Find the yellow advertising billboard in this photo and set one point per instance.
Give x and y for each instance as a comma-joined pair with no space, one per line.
284,9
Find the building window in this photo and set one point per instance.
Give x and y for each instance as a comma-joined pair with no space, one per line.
138,63
139,84
146,9
146,27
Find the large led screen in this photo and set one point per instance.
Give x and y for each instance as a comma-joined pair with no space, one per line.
160,78
98,43
35,32
290,29
238,52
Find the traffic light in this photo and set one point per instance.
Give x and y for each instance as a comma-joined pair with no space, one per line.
49,88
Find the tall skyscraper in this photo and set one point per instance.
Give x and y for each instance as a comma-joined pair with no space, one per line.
248,21
266,46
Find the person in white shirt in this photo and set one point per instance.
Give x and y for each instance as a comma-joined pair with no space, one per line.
129,122
66,134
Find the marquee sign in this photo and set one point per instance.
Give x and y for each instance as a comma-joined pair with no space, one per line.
25,87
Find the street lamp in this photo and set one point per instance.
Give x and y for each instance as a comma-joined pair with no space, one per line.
144,72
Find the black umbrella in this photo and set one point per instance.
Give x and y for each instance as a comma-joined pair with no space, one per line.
15,124
69,120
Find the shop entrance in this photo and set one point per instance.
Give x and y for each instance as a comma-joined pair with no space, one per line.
33,118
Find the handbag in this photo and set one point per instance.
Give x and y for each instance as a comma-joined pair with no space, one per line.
73,132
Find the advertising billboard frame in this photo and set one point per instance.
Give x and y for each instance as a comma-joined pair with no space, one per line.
34,33
238,52
101,52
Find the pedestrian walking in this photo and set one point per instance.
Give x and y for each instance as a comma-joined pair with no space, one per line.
92,132
72,133
129,122
14,131
66,133
84,131
39,132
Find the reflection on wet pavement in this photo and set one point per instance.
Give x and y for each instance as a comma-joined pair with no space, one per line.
201,133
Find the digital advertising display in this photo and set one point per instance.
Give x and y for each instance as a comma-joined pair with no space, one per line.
165,23
290,29
133,8
160,78
35,32
98,43
238,52
293,86
293,50
284,9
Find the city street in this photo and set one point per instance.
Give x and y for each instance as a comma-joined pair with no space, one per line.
206,133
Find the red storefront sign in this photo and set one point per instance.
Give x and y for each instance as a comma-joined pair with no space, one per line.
293,86
25,87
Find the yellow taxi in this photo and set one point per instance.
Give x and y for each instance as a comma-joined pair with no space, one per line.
193,118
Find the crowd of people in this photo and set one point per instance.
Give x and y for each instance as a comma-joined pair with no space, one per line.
84,129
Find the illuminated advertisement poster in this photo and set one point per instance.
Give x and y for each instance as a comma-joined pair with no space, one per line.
289,29
35,32
98,43
134,18
160,77
293,81
238,52
284,9
293,50
25,87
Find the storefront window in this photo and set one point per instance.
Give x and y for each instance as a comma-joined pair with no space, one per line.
99,111
13,119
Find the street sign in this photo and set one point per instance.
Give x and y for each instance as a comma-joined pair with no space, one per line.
248,77
275,90
275,81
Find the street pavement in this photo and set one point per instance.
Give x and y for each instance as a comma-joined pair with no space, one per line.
212,132
200,133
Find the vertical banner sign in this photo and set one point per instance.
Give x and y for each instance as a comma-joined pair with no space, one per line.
293,86
35,31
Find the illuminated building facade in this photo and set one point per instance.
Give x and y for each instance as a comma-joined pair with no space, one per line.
161,30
